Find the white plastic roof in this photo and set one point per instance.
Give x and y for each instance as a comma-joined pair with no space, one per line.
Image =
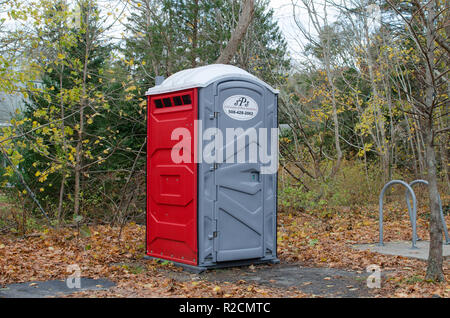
201,77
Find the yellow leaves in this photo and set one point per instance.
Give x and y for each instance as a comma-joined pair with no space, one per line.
15,157
90,121
40,113
39,141
367,147
43,178
131,88
129,63
319,114
88,154
61,56
68,130
37,174
9,172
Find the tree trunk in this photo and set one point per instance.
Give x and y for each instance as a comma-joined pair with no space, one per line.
245,18
443,122
420,149
194,35
426,19
61,190
76,208
83,104
435,259
382,145
61,198
337,143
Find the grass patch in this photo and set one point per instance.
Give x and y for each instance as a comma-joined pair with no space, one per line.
413,280
4,198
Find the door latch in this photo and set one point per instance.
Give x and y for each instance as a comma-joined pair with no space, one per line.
213,235
214,115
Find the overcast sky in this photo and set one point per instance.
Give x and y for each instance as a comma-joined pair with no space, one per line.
283,14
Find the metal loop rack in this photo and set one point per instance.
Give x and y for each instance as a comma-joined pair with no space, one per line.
412,211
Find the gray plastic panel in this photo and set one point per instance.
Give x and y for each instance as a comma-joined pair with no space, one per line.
235,200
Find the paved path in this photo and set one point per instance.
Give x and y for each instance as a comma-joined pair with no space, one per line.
404,248
51,288
323,282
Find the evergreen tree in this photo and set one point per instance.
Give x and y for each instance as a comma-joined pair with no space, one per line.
168,36
68,118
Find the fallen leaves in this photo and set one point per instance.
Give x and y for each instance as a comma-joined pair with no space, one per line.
306,240
302,239
46,256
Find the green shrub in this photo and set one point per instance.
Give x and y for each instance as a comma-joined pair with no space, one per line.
295,197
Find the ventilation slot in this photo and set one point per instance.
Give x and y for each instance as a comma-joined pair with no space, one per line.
167,102
173,101
177,101
187,99
158,103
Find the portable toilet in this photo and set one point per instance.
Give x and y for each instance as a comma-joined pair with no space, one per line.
210,203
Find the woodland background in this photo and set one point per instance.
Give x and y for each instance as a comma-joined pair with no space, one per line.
363,101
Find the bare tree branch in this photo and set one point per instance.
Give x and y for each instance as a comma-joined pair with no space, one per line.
245,18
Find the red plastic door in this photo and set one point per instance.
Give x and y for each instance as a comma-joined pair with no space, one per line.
171,187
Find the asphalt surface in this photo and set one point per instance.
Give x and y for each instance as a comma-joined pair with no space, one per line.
52,288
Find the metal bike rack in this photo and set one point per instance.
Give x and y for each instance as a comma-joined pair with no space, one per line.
444,225
412,214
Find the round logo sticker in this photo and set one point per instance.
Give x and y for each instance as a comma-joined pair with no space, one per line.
240,107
